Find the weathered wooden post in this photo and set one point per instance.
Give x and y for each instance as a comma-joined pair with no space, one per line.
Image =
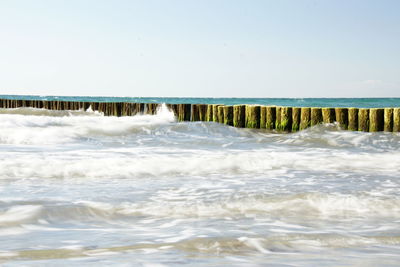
221,114
396,120
202,112
296,119
286,119
353,119
363,119
184,112
215,112
239,115
388,120
270,118
376,119
328,115
195,112
342,117
305,118
278,118
118,109
252,116
263,117
209,113
153,108
316,116
228,115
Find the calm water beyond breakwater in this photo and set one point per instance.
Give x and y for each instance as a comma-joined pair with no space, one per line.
288,102
80,188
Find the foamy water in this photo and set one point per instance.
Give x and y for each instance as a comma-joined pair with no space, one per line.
78,188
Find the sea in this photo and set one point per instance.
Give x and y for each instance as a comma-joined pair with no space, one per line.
78,188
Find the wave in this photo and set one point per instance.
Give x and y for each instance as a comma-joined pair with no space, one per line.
25,111
229,246
298,207
153,162
43,127
29,126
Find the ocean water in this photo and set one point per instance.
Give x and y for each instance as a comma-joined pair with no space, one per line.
78,188
290,102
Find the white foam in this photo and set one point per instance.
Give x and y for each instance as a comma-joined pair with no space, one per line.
307,205
156,162
43,127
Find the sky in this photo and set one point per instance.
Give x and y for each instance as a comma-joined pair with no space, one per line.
200,48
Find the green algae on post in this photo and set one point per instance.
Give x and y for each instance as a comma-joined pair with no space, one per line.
221,114
184,112
228,115
295,119
305,118
376,119
286,119
316,116
263,117
239,116
396,120
202,112
353,119
271,118
209,113
388,120
342,117
215,112
278,118
328,115
195,112
252,116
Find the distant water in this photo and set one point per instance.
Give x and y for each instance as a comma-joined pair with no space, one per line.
291,102
78,188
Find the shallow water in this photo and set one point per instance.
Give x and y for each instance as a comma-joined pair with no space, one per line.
81,188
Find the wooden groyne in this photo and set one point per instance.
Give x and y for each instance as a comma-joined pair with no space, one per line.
280,119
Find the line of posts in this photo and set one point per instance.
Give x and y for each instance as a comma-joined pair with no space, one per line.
280,119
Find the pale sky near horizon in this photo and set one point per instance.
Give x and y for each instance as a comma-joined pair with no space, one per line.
203,48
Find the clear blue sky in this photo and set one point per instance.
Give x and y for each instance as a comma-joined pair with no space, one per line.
203,48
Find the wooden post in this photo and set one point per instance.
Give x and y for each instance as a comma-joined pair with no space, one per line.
252,116
305,118
221,114
396,120
353,119
278,118
316,116
388,120
295,119
215,112
363,119
328,115
202,112
270,118
342,117
376,119
286,119
263,117
184,112
195,112
239,115
209,113
228,115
